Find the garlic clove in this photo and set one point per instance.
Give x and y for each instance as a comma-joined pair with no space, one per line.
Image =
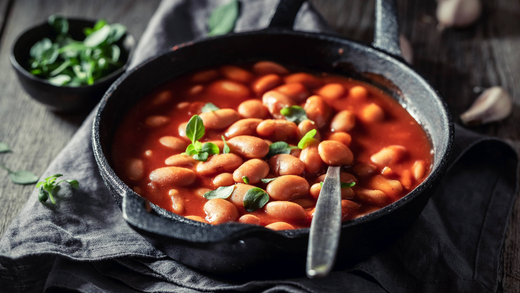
458,13
406,49
492,105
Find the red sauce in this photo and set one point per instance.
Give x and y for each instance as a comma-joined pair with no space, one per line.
182,98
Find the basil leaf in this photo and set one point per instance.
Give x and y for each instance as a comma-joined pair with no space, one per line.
59,80
40,47
4,148
226,149
195,128
117,30
99,24
43,195
60,68
255,198
72,49
279,147
201,157
209,107
267,180
210,148
73,183
294,114
23,177
347,185
59,24
223,18
223,192
190,150
97,37
307,139
245,179
116,52
343,184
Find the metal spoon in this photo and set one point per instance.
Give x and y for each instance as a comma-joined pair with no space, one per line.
325,227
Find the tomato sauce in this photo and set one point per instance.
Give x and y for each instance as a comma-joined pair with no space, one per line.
138,139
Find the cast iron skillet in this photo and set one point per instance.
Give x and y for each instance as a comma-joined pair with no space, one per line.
240,248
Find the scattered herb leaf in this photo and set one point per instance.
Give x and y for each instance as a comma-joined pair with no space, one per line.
255,198
307,139
222,19
294,114
226,149
279,147
267,180
4,148
23,177
49,187
246,179
209,107
223,192
17,177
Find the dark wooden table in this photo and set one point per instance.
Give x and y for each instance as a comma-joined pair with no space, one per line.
457,62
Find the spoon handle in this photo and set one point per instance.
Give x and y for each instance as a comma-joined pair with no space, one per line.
325,227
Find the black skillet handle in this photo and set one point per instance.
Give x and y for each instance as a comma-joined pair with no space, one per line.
386,34
285,14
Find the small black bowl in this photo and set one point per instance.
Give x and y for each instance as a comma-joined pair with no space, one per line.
63,98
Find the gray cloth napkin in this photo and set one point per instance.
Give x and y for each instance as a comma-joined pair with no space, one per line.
83,244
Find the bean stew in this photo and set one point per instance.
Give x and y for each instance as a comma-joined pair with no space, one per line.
251,143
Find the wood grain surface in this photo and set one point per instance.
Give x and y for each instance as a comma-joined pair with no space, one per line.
458,62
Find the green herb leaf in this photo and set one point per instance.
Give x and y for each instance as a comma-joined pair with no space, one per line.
209,107
226,149
307,139
210,148
195,128
347,185
59,80
116,52
43,195
203,157
23,177
73,183
40,47
245,179
190,150
59,24
223,192
294,114
279,147
4,148
255,198
97,37
60,68
343,184
49,187
99,24
267,180
223,18
117,30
